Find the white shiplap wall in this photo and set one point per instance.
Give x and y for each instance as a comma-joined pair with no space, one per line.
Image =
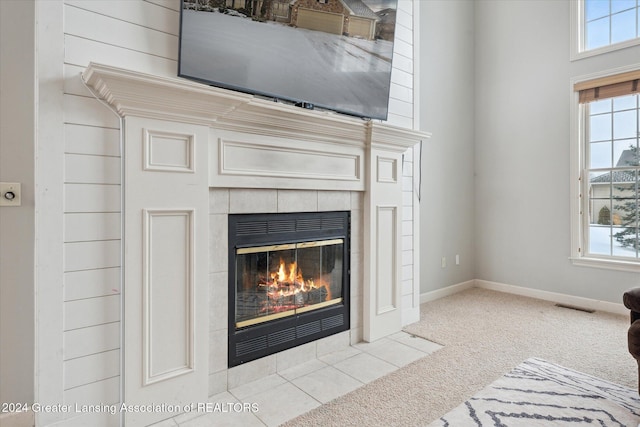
142,36
401,93
401,113
139,35
91,283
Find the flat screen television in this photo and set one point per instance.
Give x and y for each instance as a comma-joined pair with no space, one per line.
327,54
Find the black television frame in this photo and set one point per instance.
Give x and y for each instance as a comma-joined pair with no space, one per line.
357,93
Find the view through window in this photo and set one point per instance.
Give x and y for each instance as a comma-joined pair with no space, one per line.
612,137
607,22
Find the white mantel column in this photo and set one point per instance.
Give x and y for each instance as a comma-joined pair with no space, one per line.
383,230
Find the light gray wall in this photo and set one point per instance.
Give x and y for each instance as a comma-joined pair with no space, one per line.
446,82
522,110
17,227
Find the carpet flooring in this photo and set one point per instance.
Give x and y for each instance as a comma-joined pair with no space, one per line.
485,334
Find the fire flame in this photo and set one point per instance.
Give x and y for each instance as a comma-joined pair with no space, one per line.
294,275
288,280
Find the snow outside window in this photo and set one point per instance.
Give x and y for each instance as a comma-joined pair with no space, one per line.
611,178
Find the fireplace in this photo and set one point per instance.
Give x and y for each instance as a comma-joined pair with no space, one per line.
288,280
215,154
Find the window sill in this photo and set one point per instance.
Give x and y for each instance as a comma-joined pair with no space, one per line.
609,264
576,55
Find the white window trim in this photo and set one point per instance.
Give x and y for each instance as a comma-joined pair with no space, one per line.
577,36
576,168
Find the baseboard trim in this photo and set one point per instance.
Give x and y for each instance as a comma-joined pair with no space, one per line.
444,292
592,304
18,419
609,307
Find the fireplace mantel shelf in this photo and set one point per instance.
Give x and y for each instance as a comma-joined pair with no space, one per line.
134,93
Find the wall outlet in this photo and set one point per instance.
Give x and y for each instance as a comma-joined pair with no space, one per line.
444,262
10,194
457,259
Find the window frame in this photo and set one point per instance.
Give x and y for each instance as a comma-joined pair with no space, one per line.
579,183
578,35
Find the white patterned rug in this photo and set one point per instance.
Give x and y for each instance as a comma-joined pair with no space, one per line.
539,393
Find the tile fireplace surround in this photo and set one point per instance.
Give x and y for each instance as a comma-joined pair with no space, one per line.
194,154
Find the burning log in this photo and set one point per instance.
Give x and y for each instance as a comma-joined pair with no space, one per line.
282,291
316,295
250,304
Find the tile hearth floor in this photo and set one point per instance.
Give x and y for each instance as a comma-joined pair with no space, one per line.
281,397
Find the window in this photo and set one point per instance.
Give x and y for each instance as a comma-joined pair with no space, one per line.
609,190
604,25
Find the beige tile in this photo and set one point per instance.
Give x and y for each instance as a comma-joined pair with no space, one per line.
219,200
339,356
334,200
333,343
184,418
297,201
365,367
165,423
295,356
394,352
218,302
327,384
217,382
218,243
251,371
282,404
224,418
263,385
302,369
223,410
252,201
218,345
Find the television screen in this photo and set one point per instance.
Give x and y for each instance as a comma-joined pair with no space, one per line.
329,54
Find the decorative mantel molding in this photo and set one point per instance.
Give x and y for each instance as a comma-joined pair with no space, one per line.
132,93
181,100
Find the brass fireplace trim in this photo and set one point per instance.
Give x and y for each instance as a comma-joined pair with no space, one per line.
287,313
301,245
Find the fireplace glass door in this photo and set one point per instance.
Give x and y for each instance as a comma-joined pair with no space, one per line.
288,280
279,281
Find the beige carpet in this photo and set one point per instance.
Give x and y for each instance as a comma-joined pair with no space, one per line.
485,334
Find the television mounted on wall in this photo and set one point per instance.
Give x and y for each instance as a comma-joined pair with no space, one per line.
327,54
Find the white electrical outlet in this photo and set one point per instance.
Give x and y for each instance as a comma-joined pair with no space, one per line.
10,194
457,259
444,262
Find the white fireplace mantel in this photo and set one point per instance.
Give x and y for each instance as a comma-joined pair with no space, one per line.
132,93
182,138
247,125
